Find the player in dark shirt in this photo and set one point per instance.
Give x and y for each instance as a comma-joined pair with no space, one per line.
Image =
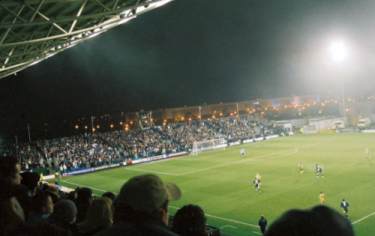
262,224
345,207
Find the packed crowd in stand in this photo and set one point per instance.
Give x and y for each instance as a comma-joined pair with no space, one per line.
29,207
242,128
64,154
92,150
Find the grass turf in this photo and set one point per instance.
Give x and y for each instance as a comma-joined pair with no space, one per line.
219,181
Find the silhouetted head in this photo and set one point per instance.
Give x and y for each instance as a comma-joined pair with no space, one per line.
10,170
145,196
319,221
189,220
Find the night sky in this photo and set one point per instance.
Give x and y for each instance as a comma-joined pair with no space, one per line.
191,52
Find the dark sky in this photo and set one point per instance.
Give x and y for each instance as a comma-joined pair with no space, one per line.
191,52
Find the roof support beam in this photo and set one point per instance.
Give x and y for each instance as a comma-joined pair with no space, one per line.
37,10
46,18
102,5
77,16
34,30
7,58
12,13
115,4
10,28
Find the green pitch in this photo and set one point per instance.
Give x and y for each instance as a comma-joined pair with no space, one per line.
219,181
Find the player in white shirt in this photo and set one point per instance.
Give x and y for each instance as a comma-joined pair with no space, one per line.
257,184
243,152
318,170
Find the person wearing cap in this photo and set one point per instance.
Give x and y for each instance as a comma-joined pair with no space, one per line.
141,207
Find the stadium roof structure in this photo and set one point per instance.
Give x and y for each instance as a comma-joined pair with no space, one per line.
33,30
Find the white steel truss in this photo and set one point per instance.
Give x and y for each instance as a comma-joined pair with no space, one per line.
33,30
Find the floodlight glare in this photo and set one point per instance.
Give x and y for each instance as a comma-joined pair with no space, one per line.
338,51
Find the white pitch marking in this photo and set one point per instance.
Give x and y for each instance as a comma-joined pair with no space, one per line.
76,184
211,167
228,164
232,220
225,219
209,215
363,218
208,168
228,226
255,232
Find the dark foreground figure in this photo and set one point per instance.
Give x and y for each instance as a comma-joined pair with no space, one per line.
319,221
141,208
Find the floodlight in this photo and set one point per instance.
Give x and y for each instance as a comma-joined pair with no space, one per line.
338,51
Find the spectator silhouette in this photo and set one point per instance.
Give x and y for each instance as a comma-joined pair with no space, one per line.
141,208
109,195
190,221
10,174
64,215
10,170
98,218
11,213
84,198
319,221
31,181
42,208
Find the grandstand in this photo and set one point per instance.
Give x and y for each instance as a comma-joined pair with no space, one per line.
227,165
216,143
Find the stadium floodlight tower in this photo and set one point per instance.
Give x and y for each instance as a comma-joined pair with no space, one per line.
339,54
